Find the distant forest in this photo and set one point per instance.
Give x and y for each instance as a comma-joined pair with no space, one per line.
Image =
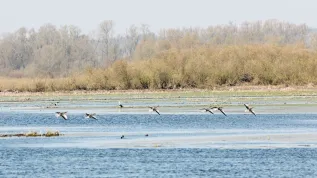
268,52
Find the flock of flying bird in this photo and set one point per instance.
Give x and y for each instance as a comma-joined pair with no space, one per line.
249,109
154,109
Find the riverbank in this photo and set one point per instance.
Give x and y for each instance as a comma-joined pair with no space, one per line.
224,89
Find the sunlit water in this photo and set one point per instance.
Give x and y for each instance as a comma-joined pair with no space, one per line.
178,145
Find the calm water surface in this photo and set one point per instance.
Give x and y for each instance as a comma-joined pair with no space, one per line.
77,162
93,148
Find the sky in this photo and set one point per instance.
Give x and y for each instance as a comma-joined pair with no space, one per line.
158,14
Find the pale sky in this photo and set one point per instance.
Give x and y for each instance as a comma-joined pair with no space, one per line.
87,14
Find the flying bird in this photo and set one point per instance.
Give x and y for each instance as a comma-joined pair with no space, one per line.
122,137
207,110
249,109
220,109
154,108
61,114
91,116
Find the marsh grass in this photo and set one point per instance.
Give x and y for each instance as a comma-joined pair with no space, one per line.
51,134
33,134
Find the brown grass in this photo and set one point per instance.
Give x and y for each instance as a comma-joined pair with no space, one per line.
203,67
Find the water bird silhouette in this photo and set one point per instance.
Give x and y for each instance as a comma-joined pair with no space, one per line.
249,108
91,116
154,108
120,105
207,110
61,114
219,109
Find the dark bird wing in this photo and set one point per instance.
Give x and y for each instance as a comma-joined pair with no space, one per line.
208,110
157,112
252,111
64,116
222,111
247,106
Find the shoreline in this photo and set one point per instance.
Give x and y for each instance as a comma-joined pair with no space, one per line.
240,89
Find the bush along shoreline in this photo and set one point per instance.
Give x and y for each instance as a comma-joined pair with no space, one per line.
201,68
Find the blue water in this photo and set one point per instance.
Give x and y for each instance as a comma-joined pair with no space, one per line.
162,122
72,162
79,156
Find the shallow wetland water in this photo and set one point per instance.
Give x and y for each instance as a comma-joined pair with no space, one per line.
182,142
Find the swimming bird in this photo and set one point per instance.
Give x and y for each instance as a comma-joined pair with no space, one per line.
92,116
120,105
220,109
146,135
207,110
61,114
154,108
122,136
249,109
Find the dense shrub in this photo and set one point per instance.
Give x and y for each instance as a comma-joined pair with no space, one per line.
202,67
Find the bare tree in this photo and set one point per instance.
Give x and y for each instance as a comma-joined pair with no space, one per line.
105,37
132,39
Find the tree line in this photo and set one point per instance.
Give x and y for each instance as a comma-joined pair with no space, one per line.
263,52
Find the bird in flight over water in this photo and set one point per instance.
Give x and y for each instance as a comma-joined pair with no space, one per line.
207,110
61,114
249,109
91,116
154,108
220,109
